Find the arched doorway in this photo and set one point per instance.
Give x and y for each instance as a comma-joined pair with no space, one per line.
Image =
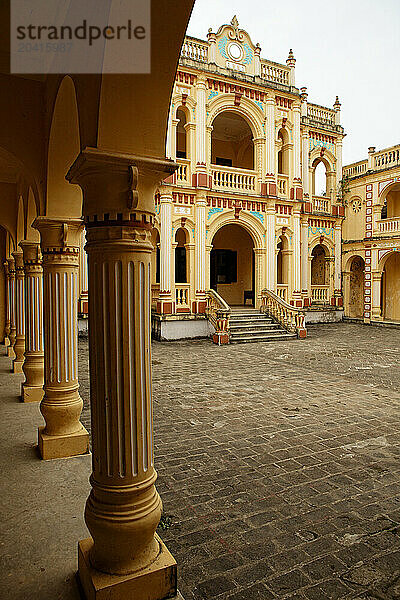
181,135
356,288
180,256
319,275
232,141
232,265
391,288
282,267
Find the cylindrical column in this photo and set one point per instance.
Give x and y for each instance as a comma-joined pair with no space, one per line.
124,508
339,148
270,246
19,346
33,367
259,275
84,283
376,312
200,252
7,326
304,163
296,254
304,260
296,142
338,260
63,435
270,137
201,88
11,292
166,284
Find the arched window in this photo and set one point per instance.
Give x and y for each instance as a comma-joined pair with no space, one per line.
180,257
282,261
320,179
232,141
318,269
392,202
181,135
283,153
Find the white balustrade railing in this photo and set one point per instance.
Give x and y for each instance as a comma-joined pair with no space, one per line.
183,171
289,317
389,225
182,296
354,169
218,313
321,204
272,72
321,114
319,294
230,178
282,291
283,185
387,158
194,49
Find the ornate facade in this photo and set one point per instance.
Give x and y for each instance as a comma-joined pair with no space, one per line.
243,212
371,237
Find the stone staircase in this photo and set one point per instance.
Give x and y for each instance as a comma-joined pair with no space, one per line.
249,325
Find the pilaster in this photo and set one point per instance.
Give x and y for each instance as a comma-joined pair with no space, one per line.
296,258
63,434
33,368
200,251
270,279
123,558
166,304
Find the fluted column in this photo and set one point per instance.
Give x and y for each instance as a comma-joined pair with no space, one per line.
166,300
200,251
19,346
7,326
338,265
63,435
259,275
84,283
304,163
123,558
11,282
270,247
201,88
296,257
270,138
33,367
376,312
296,143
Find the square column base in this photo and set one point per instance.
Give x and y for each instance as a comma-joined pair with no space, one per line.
63,446
17,366
156,582
30,393
6,342
10,352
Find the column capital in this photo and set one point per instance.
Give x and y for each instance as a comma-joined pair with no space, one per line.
165,194
31,252
11,267
6,269
201,197
19,262
118,188
59,235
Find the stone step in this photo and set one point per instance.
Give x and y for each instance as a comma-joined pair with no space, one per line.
267,337
244,318
255,327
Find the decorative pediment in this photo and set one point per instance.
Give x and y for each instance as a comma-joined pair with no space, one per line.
234,48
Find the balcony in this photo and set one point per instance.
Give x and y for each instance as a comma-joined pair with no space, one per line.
195,49
388,226
319,294
321,204
283,185
183,172
233,179
182,299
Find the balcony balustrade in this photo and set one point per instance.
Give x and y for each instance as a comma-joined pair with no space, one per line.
282,291
182,297
319,294
321,204
194,49
389,225
273,72
230,178
283,185
183,172
321,114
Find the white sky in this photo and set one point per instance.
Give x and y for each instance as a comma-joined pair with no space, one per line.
349,48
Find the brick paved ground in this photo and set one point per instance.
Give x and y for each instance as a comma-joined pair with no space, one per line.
279,464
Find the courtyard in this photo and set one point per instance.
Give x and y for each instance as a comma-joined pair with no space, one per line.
278,469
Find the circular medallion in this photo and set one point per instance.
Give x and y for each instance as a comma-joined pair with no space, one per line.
235,51
356,205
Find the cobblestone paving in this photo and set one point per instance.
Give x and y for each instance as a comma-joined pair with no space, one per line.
279,464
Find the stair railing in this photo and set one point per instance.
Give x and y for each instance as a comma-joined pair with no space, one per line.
290,317
218,313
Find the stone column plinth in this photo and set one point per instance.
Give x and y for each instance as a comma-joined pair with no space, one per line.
7,326
123,558
11,292
63,435
19,346
33,367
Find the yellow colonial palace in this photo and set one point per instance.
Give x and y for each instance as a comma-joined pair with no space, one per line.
243,215
371,237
